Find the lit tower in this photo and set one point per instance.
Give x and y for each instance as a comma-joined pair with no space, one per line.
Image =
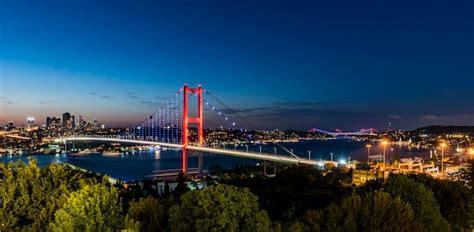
188,120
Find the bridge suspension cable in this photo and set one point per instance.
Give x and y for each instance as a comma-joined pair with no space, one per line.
164,124
232,111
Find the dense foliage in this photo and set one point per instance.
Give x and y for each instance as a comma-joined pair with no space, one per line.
218,208
30,196
58,198
376,211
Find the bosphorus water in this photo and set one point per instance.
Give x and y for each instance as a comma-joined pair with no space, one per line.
143,164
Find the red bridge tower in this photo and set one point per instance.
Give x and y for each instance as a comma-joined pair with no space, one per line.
188,120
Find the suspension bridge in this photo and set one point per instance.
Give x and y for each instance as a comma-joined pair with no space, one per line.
337,133
170,125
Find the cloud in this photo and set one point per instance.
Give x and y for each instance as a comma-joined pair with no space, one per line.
43,102
284,108
307,104
146,102
161,98
5,101
395,116
100,96
429,117
132,95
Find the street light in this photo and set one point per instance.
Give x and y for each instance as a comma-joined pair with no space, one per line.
331,156
384,144
368,152
309,155
471,151
443,145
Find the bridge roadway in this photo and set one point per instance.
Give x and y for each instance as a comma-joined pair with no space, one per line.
238,153
14,136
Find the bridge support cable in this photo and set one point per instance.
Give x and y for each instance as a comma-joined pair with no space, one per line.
232,111
242,118
164,125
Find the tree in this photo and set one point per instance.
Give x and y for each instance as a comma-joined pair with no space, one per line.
30,196
373,212
92,208
455,201
218,208
421,199
149,212
181,188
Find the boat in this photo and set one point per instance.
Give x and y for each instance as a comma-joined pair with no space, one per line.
80,153
114,152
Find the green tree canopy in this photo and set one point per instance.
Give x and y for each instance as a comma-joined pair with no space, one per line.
218,208
455,200
93,208
373,212
30,196
149,212
421,199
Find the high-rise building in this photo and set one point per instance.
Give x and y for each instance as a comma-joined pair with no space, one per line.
80,123
73,122
30,122
48,121
66,119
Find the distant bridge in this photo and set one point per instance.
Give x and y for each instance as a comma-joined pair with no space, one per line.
361,132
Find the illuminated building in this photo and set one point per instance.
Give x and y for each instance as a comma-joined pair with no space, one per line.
30,122
359,177
66,119
9,126
73,121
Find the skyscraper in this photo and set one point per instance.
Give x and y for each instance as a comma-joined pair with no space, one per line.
73,122
80,122
66,118
48,121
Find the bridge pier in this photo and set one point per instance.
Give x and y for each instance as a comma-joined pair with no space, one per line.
184,161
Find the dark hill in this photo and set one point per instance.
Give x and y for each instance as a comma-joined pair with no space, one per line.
438,130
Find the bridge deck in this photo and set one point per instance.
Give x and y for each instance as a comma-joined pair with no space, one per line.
243,154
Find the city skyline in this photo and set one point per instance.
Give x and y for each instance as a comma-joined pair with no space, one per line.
328,65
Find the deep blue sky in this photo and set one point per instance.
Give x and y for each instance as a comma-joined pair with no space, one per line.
299,64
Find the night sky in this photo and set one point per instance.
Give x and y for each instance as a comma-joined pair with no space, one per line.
294,64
